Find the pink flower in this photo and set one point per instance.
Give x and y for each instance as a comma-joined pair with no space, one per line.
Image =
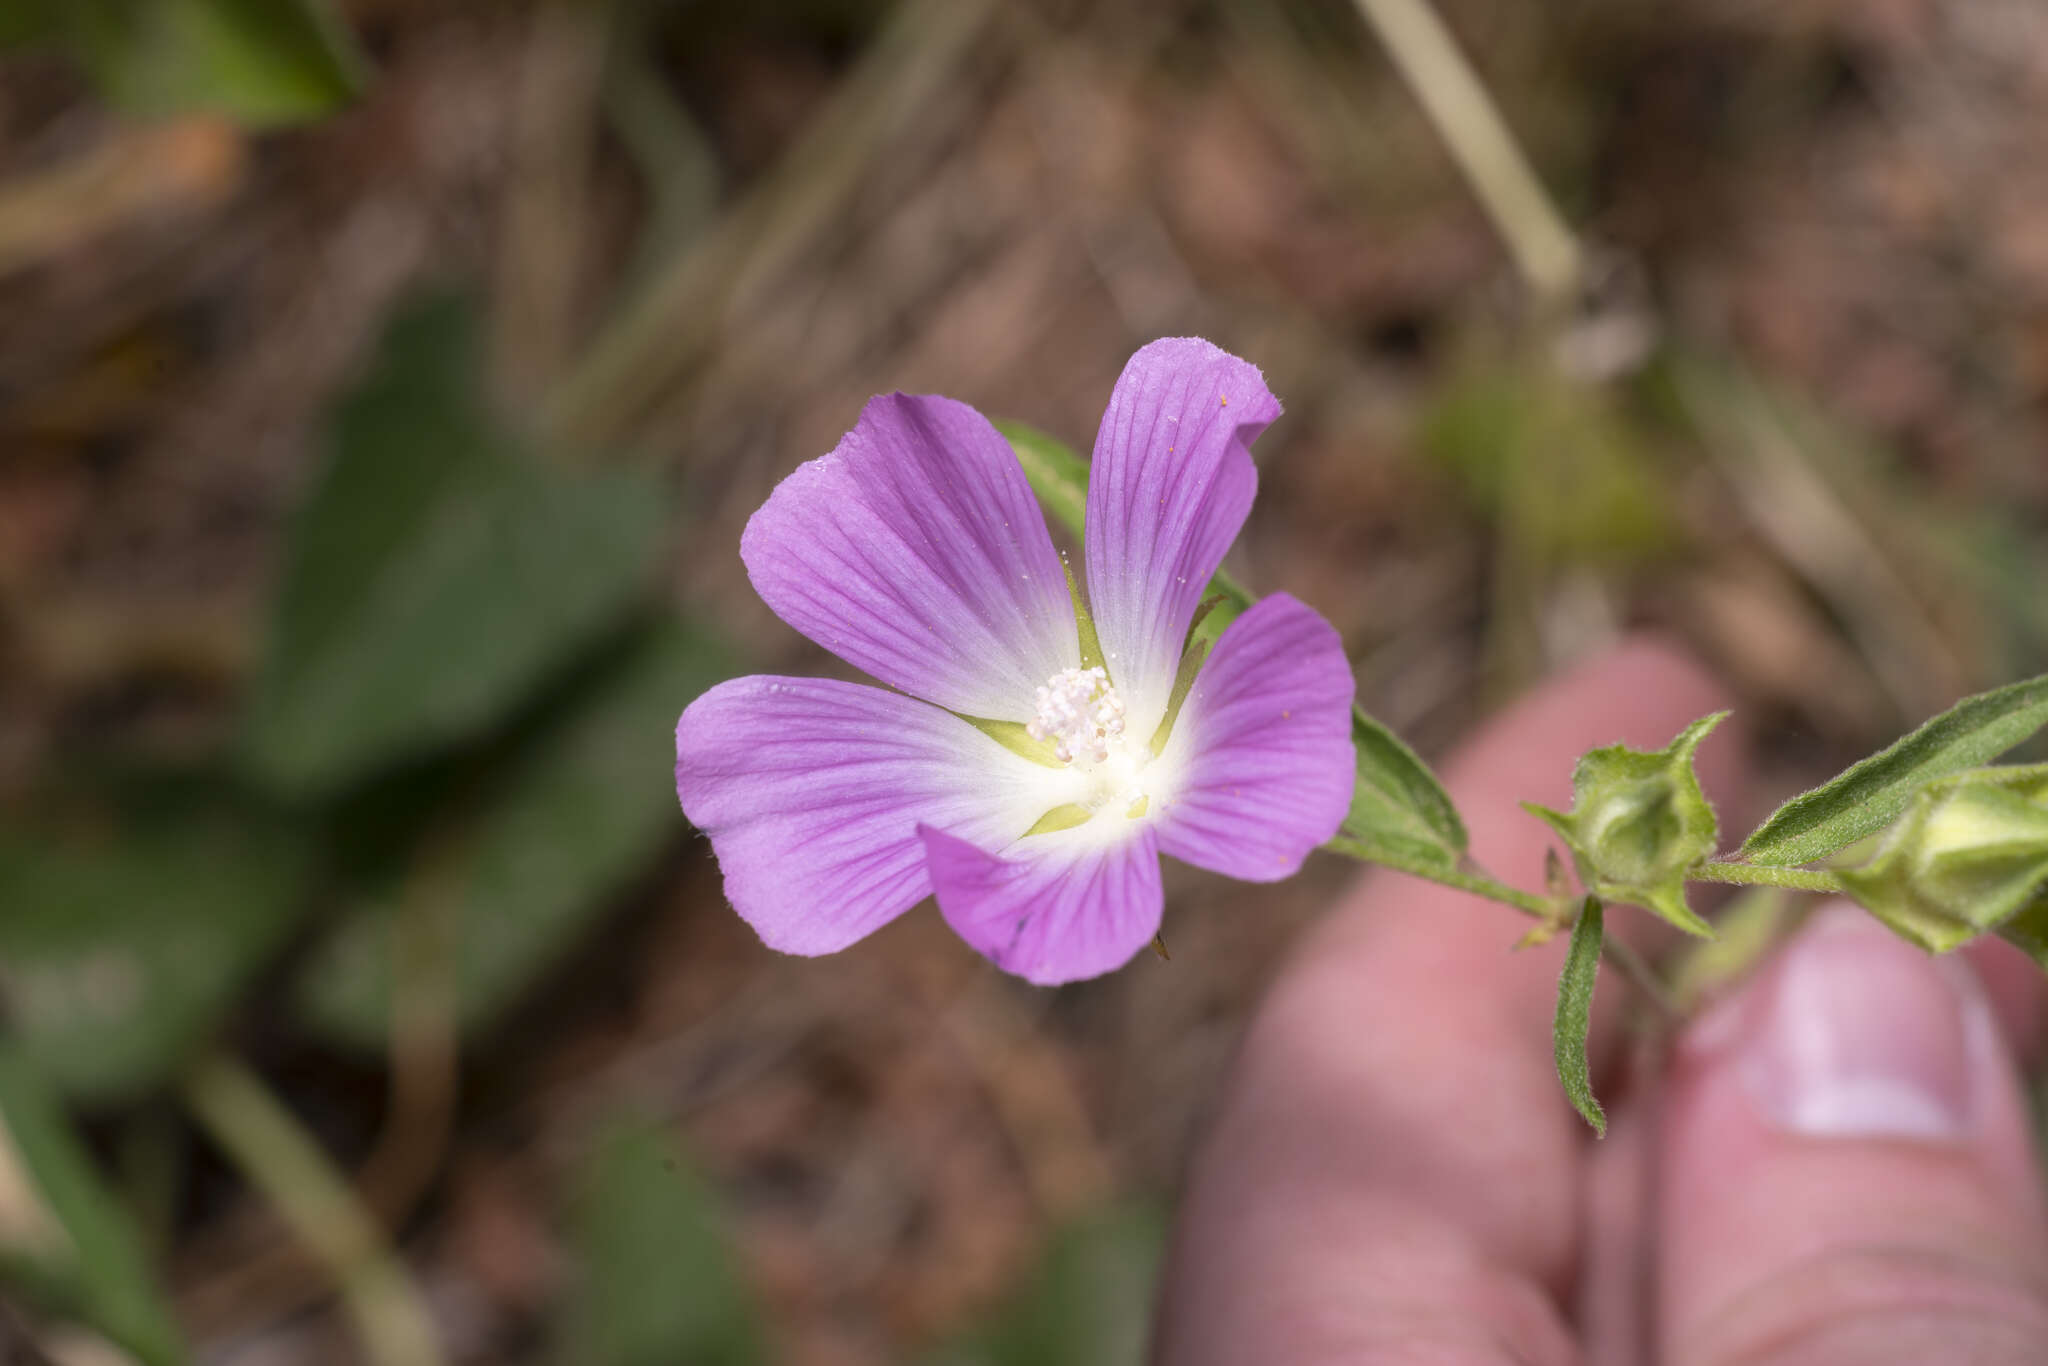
1031,789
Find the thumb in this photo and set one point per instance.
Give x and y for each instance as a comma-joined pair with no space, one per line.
1847,1172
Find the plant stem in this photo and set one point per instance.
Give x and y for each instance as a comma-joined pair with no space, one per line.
1753,875
1465,880
282,1161
1451,94
1617,954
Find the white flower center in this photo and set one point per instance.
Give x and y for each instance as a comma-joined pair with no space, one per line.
1079,715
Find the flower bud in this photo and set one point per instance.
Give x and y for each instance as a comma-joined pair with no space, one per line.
1639,823
1969,855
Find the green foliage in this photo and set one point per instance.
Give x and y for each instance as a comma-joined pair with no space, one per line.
1639,824
120,953
1870,794
1400,813
657,1283
1969,855
1088,1304
1575,1014
262,62
586,799
1553,461
65,1244
1056,473
438,577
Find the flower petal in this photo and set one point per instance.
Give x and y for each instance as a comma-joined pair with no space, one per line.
812,791
1170,485
1262,746
915,551
1055,908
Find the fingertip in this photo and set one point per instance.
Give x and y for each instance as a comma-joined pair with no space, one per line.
1850,1119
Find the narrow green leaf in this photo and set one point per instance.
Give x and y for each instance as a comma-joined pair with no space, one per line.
119,954
657,1281
1088,1304
1870,794
584,802
65,1243
1399,811
1575,1014
438,577
263,62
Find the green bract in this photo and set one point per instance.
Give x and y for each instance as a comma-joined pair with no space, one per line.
1969,855
1639,823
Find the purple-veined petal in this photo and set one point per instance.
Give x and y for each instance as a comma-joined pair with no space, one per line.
812,791
1051,908
915,551
1169,487
1261,750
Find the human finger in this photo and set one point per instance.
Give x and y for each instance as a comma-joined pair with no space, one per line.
1394,1161
1847,1171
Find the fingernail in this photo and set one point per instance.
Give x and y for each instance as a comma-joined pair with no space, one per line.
1858,1034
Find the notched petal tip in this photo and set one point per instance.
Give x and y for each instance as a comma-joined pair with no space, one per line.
916,552
1170,485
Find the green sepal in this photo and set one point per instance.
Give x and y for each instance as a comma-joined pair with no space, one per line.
1183,684
1060,818
1084,623
1639,823
1574,1021
1013,736
1969,856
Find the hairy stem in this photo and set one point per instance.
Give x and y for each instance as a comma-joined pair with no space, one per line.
1753,875
1614,952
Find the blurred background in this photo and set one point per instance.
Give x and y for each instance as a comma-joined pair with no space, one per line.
384,384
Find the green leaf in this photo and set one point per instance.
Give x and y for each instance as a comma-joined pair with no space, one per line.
1969,855
438,577
1575,1014
1870,794
657,1282
263,62
580,807
1057,475
1639,824
1400,813
64,1241
120,954
1088,1304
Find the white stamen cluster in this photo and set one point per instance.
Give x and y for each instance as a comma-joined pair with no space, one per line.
1079,715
